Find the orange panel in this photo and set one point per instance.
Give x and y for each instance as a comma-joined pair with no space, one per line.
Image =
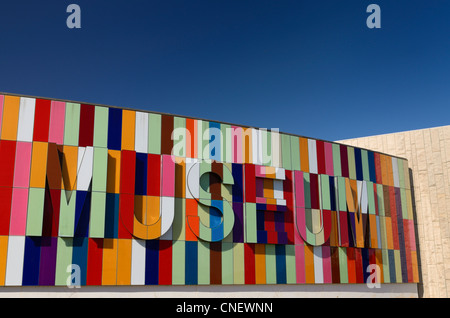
191,209
69,168
309,264
390,241
10,117
268,188
3,255
373,231
379,260
113,175
247,145
260,263
304,156
124,262
109,264
38,165
128,129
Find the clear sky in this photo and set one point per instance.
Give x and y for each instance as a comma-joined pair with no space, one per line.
311,68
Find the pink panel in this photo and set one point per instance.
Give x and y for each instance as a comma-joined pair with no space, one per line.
300,224
412,238
22,165
57,116
261,200
300,263
168,176
329,159
18,211
299,189
260,171
326,257
1,110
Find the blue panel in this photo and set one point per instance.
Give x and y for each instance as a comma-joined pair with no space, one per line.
191,259
151,262
365,262
358,164
260,220
31,261
214,141
82,213
280,252
115,129
372,171
237,189
112,215
141,174
215,220
282,238
351,228
392,266
79,256
261,236
332,194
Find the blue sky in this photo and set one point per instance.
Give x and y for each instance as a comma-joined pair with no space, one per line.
311,68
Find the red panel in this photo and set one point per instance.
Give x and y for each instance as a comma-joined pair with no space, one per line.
327,226
86,134
289,214
154,175
314,190
127,171
250,179
344,228
269,221
249,261
359,266
393,207
126,215
344,161
272,237
165,262
320,148
5,209
41,120
351,265
51,212
377,167
7,156
94,262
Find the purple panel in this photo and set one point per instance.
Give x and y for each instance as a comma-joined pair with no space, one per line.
48,261
259,184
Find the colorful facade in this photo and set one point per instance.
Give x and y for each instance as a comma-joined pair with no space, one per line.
140,198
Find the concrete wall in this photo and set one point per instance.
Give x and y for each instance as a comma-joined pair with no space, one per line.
428,153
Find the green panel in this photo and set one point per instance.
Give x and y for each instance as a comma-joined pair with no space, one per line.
383,233
401,174
386,275
226,153
97,221
203,263
286,151
267,148
72,124
205,140
341,191
101,127
154,134
227,263
100,169
380,198
63,260
250,223
365,165
371,197
343,265
35,213
325,187
307,189
179,140
404,204
295,153
67,213
179,220
238,263
203,213
271,265
291,277
398,266
337,160
351,162
310,237
178,262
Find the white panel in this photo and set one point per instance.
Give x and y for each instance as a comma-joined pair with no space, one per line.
312,156
85,160
280,173
167,215
318,265
395,172
190,162
141,132
276,150
278,189
193,181
26,119
137,262
363,200
14,265
259,148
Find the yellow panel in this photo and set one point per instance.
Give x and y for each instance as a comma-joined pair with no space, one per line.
113,176
38,165
109,265
128,127
124,262
10,117
3,255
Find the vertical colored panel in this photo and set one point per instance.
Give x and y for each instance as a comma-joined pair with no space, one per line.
138,262
64,253
312,156
154,133
109,262
10,118
203,263
3,252
94,262
72,124
249,260
2,98
178,262
26,119
18,211
86,130
165,262
128,129
8,152
151,262
38,165
57,121
260,263
141,133
166,134
22,165
31,265
14,264
48,262
101,126
115,129
309,264
320,149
